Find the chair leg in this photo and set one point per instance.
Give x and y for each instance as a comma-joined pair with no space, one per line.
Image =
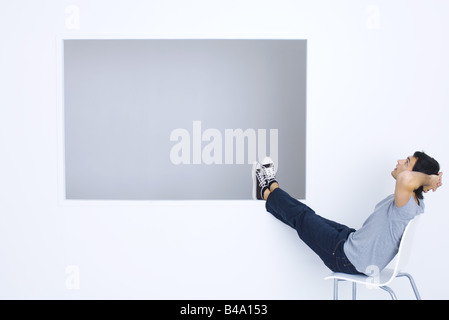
354,289
385,288
335,289
391,292
412,282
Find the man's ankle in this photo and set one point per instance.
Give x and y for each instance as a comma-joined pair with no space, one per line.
266,193
273,186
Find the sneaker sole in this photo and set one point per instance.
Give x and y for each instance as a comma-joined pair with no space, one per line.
255,182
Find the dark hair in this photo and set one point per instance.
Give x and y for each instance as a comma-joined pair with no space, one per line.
427,165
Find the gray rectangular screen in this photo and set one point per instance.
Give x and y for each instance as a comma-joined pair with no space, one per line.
182,119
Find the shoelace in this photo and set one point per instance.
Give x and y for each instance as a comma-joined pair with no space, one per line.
261,177
269,172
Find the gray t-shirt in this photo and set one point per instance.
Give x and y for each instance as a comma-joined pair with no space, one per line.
376,243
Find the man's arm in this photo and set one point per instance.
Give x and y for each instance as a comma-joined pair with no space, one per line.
408,181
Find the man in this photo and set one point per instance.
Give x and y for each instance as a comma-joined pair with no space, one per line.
344,249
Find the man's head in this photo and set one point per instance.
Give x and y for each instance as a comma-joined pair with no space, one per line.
419,162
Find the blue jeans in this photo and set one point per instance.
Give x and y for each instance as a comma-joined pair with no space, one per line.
325,237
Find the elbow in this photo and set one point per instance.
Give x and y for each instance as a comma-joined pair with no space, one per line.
407,180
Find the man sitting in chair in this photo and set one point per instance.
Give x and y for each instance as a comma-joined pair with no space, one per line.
344,249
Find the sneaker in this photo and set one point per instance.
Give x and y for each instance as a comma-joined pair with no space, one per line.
269,170
259,181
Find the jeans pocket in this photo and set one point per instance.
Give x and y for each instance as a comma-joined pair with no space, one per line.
345,266
341,261
342,264
337,247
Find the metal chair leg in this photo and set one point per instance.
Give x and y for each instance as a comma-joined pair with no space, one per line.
412,282
335,289
385,288
354,289
391,292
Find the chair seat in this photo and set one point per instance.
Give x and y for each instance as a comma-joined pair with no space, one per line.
385,277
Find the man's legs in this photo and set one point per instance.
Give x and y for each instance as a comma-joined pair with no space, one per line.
323,236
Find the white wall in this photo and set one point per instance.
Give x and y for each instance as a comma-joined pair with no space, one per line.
377,91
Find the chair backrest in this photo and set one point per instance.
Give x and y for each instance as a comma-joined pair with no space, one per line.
405,247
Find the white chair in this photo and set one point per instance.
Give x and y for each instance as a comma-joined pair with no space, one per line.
381,279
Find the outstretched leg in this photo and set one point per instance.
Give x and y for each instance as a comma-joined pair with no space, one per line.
323,236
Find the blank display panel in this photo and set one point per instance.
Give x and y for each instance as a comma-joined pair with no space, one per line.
177,119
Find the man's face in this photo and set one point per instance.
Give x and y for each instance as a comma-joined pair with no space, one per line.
404,165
